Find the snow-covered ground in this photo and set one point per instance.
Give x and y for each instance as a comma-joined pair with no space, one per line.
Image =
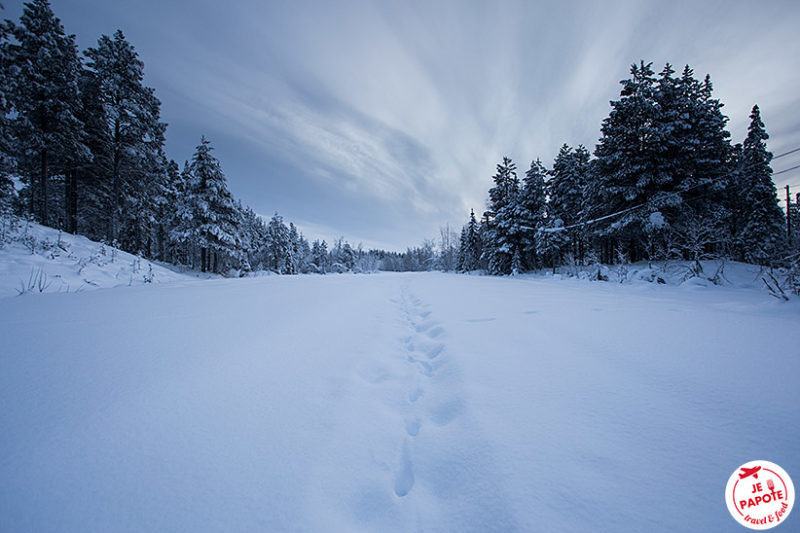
38,259
391,402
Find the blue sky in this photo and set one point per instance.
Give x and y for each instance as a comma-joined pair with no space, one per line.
382,121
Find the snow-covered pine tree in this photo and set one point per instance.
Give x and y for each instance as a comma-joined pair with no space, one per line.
503,232
168,200
699,158
565,194
145,200
474,243
135,135
565,188
550,241
794,218
706,147
763,236
303,254
293,259
209,219
7,160
279,245
254,239
471,246
627,171
319,256
531,210
93,192
462,249
43,92
348,257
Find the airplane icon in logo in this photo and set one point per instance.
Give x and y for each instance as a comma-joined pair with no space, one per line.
746,472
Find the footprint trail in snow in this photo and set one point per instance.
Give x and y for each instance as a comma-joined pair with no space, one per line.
424,352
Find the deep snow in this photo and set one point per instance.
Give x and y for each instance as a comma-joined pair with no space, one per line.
36,259
391,402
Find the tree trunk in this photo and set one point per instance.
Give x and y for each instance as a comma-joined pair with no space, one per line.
203,259
115,185
67,202
32,196
71,201
44,180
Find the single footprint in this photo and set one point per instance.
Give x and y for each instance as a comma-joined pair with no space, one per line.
412,426
415,394
424,326
404,480
434,352
424,368
436,332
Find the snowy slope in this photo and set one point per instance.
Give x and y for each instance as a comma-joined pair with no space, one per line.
38,259
391,402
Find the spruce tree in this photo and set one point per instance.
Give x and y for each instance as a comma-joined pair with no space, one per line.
134,132
293,258
93,192
700,164
7,159
503,234
565,192
532,211
319,256
625,174
43,92
210,220
763,236
474,246
254,240
279,246
462,250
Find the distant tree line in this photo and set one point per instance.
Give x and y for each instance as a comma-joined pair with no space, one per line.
664,182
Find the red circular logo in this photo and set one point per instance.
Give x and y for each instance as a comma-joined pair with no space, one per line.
759,495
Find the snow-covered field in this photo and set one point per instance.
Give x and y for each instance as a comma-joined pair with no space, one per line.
391,402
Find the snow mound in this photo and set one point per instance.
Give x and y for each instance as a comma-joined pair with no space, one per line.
38,259
687,274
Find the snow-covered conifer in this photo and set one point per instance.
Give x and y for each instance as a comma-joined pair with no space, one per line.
763,235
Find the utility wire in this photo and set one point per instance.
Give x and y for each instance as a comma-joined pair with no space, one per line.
786,170
786,153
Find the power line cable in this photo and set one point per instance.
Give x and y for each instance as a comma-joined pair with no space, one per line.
786,170
786,153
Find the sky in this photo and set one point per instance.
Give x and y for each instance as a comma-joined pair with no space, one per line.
382,122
